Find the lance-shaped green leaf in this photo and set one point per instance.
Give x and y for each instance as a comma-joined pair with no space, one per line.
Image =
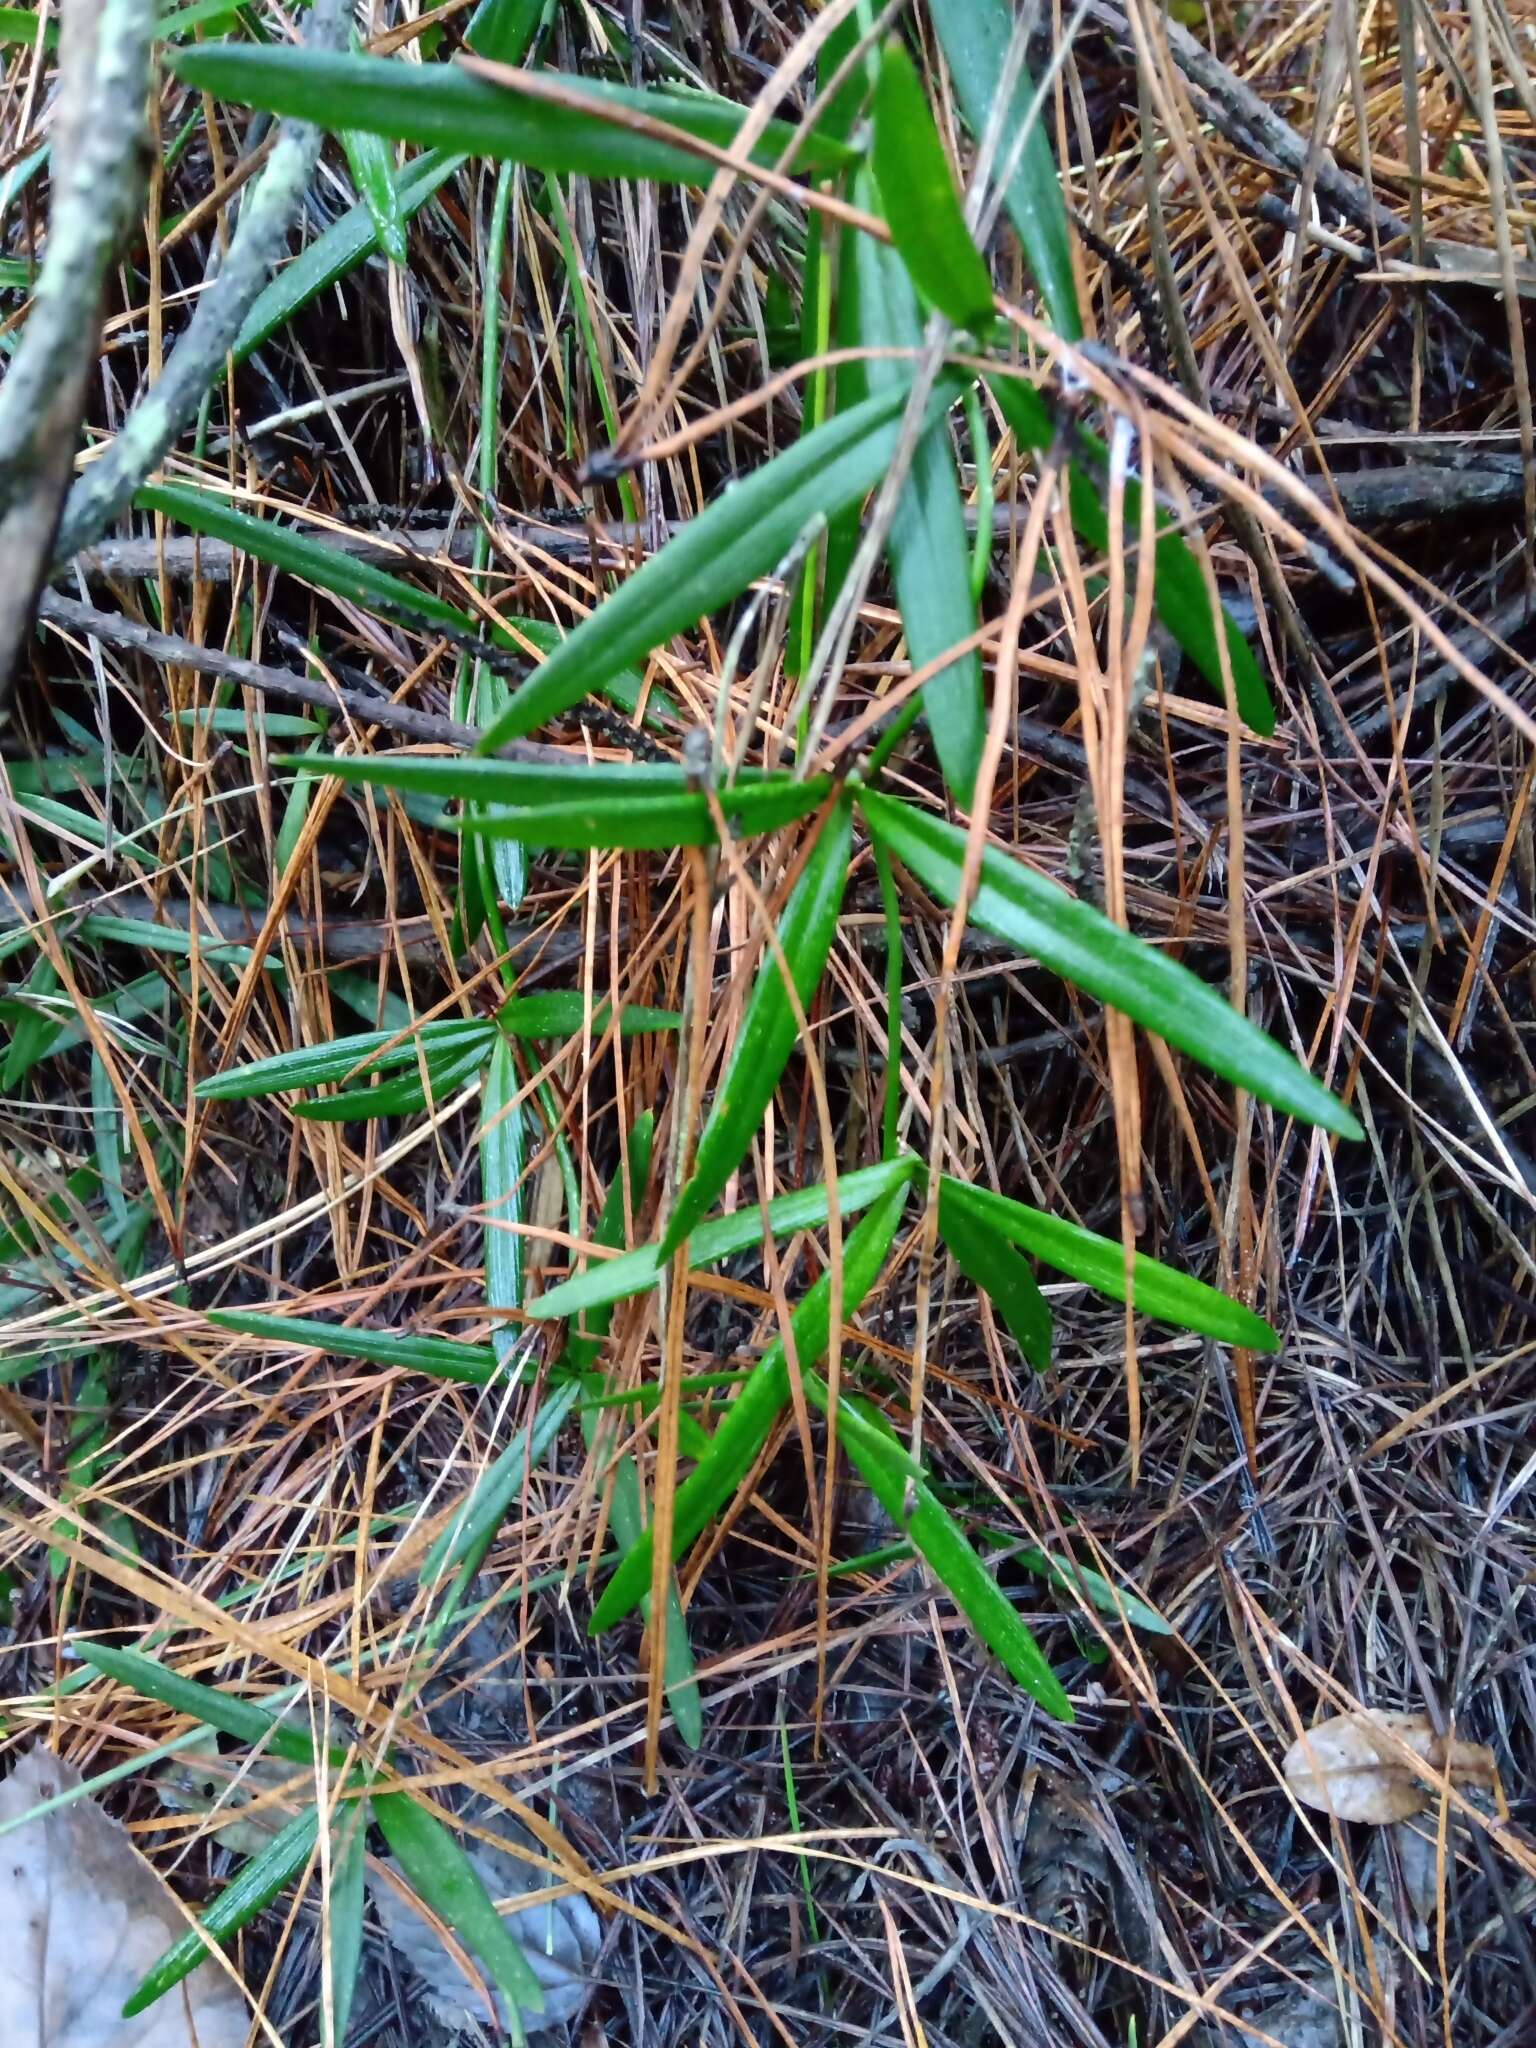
928,547
316,562
439,104
745,533
921,204
1038,917
445,1879
501,1170
625,1515
1157,1290
1182,601
372,165
990,1262
803,1209
463,1544
903,1490
443,1357
769,1028
338,250
248,1893
746,1424
974,36
562,1012
231,1715
1104,1594
348,1895
404,1094
639,804
503,30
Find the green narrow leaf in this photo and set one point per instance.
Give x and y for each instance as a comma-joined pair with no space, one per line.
902,1489
372,165
632,804
22,25
1076,941
348,1894
745,1426
248,1893
1099,1262
974,36
501,1172
581,1353
928,546
308,1066
990,1262
365,583
463,1544
439,104
561,1013
448,1882
338,250
503,30
224,1711
404,1095
1100,1593
768,1028
618,1279
921,204
443,1357
584,1347
743,534
1179,590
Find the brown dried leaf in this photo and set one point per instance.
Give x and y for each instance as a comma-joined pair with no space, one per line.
1354,1767
85,1917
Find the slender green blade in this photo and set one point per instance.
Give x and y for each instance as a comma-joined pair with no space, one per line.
630,804
248,1893
372,165
503,30
348,1895
928,547
768,1027
581,1352
22,25
403,1095
1179,591
561,1013
990,1262
803,1209
309,1066
443,105
903,1490
743,534
1157,1290
745,1427
442,1357
467,1538
501,1172
338,250
974,36
449,1883
1076,941
921,204
230,1715
365,583
652,824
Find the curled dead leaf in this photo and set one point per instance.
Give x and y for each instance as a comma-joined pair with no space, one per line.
1354,1768
85,1917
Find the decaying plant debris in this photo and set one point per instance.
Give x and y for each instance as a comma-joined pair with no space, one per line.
1299,253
